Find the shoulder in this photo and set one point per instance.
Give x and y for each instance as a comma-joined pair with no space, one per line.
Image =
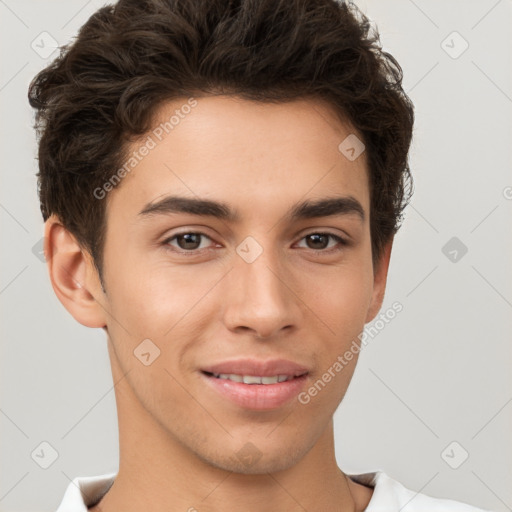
389,495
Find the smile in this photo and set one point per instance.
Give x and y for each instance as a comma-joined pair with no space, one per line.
255,392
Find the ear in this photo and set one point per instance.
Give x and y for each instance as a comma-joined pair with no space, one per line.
73,275
380,274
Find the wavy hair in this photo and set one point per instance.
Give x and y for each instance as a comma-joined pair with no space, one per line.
130,58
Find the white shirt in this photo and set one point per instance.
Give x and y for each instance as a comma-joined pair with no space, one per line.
388,495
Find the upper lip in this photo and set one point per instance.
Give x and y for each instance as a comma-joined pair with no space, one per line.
256,367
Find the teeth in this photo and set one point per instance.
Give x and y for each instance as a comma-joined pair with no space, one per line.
253,379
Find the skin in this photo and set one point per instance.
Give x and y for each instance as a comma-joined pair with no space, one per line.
178,438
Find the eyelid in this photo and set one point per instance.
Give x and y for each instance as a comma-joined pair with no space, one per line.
328,231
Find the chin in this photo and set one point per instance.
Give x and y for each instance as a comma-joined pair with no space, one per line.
249,460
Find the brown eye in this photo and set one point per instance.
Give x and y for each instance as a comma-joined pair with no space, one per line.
320,242
187,242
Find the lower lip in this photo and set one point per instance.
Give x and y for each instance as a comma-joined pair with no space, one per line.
257,396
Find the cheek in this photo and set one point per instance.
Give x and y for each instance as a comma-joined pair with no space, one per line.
165,305
343,300
153,296
328,385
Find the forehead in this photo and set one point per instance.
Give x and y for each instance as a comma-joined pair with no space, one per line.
235,150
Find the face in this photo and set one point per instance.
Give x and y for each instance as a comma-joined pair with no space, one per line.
256,287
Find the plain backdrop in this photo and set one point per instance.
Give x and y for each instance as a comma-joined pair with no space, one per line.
431,399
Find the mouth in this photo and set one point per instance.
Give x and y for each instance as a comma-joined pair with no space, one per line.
256,386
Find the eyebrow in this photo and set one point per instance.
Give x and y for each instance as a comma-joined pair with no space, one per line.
309,209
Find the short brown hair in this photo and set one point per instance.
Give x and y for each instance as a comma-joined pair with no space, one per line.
131,57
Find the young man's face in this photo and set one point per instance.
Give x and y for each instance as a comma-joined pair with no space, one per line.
257,288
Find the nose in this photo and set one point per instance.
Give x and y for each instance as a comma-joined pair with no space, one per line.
259,298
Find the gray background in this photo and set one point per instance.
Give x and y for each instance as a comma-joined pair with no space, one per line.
438,373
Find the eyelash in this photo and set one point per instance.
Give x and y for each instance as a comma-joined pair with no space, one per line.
193,252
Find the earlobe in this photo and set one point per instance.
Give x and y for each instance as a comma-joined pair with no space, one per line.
379,281
72,275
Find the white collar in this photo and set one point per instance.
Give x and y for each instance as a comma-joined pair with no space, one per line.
389,495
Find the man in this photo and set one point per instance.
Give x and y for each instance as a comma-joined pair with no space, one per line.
221,183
